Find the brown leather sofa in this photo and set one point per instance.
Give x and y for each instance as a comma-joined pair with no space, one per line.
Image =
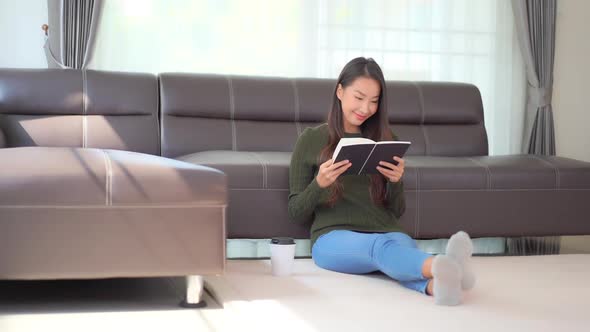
247,126
102,173
84,192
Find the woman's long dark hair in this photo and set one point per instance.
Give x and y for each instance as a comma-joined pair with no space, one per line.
375,127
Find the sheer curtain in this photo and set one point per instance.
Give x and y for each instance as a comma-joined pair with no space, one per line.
428,40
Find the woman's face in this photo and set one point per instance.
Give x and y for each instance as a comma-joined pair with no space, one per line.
359,101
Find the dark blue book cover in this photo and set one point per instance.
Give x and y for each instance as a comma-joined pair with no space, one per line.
365,154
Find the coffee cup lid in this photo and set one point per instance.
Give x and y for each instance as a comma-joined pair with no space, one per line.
282,240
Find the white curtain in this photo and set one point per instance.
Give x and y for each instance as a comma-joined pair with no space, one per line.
428,40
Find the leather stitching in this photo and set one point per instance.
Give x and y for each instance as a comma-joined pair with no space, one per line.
232,110
489,173
264,169
555,168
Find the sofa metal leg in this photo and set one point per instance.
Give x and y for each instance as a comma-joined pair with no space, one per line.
194,292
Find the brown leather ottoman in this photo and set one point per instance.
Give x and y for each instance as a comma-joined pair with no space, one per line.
98,213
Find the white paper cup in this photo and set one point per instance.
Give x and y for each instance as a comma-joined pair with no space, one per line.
282,255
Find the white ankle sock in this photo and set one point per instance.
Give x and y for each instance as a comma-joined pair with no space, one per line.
460,248
447,281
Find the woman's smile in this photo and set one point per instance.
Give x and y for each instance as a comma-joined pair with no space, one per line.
359,116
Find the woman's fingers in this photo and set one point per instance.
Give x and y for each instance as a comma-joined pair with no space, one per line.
388,165
391,175
337,165
391,171
400,164
330,171
342,169
400,161
387,172
326,164
339,169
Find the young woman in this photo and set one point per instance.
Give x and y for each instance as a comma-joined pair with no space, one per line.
355,217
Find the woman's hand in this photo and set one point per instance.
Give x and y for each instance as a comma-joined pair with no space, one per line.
329,172
394,173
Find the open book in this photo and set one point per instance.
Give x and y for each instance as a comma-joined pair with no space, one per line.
365,154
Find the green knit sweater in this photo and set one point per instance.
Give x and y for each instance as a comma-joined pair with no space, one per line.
354,211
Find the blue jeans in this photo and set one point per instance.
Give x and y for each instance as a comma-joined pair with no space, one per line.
394,254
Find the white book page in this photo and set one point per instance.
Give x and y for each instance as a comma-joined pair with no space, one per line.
393,142
350,141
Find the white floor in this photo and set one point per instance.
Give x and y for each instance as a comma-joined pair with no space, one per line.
534,293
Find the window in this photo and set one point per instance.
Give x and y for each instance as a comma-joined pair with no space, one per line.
427,40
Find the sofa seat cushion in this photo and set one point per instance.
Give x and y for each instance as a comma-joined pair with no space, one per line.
247,170
270,170
514,172
69,213
81,176
436,173
535,172
495,195
481,194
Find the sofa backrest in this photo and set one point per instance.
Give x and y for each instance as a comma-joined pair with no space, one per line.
56,107
73,108
213,112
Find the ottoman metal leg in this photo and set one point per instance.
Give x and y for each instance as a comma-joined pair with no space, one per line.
194,292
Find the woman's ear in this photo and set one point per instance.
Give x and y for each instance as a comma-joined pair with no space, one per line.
339,91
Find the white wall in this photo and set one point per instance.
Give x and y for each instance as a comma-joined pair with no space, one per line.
571,90
21,37
571,106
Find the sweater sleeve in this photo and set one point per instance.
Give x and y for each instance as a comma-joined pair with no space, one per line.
305,192
396,200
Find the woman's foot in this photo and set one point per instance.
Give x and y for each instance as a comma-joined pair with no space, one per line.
447,281
460,248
